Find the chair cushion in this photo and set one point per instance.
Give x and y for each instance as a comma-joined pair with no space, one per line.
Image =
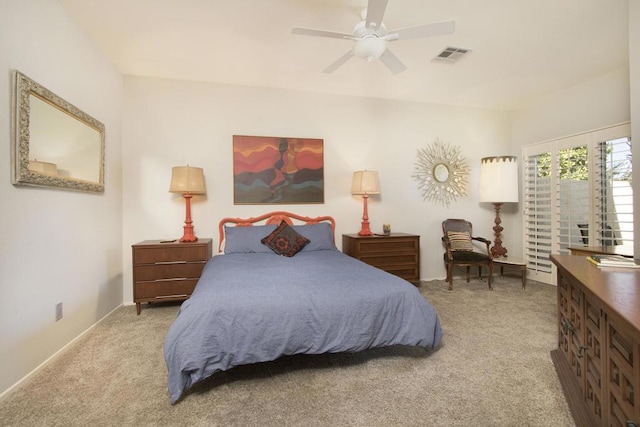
467,256
460,240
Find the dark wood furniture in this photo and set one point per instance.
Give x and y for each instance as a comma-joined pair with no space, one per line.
598,354
464,258
601,250
396,253
167,271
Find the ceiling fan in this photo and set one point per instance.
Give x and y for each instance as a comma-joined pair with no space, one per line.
370,37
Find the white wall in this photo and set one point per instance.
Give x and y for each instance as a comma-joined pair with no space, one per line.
55,245
595,104
170,123
634,77
599,103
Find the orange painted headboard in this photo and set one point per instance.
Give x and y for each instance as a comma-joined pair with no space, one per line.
272,218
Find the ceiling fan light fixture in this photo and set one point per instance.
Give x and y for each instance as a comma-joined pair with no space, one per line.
370,48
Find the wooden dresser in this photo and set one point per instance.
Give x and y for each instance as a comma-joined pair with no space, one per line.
396,253
598,354
167,271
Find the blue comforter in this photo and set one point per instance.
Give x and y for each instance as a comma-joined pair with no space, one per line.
256,307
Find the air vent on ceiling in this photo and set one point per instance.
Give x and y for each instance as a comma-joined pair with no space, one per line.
451,55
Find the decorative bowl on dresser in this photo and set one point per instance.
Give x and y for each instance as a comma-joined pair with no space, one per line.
395,253
167,271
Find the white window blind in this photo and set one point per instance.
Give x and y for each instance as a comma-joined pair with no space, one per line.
538,213
573,191
577,192
614,202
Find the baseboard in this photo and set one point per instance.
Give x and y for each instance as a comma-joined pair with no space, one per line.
56,354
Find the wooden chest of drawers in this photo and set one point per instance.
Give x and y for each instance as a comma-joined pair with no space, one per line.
397,253
598,354
167,271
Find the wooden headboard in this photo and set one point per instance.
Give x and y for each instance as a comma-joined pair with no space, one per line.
272,218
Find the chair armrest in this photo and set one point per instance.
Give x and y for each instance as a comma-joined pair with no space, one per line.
481,239
486,242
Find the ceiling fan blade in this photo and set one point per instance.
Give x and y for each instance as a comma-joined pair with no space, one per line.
375,13
320,33
392,62
426,30
338,62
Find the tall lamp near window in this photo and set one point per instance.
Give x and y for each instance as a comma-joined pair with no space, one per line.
187,180
499,185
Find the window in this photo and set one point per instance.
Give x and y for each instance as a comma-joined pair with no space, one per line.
577,192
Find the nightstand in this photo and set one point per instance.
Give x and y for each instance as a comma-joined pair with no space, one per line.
167,271
396,253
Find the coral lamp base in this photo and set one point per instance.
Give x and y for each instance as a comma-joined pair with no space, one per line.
188,235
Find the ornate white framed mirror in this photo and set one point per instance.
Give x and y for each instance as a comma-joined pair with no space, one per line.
54,143
442,173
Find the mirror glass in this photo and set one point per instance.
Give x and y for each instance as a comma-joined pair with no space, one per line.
55,144
441,172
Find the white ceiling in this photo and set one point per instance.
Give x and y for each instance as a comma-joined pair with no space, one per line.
522,50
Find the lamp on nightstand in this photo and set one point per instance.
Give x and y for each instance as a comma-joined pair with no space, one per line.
187,180
499,185
364,183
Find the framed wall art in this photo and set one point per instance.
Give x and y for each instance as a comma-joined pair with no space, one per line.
277,170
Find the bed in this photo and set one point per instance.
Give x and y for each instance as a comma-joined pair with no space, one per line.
253,305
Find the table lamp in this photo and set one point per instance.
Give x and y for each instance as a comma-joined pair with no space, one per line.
187,180
499,185
364,183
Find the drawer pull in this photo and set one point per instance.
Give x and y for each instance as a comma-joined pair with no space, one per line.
567,326
581,350
170,262
171,279
172,296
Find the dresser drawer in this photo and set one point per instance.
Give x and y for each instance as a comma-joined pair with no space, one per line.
390,259
156,255
150,272
386,246
397,253
165,289
167,271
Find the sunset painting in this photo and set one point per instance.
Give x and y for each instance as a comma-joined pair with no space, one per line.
275,170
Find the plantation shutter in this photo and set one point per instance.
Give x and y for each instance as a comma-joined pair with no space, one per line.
573,192
577,192
613,219
538,211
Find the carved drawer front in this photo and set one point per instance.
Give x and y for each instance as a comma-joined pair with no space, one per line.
621,375
594,400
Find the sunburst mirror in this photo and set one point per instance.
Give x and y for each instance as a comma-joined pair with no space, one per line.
442,172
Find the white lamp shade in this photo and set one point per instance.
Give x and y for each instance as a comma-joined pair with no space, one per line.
187,179
365,182
499,179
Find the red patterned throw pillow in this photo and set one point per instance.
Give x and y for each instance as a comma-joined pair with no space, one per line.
285,241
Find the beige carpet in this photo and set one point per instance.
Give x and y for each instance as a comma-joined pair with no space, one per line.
492,369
